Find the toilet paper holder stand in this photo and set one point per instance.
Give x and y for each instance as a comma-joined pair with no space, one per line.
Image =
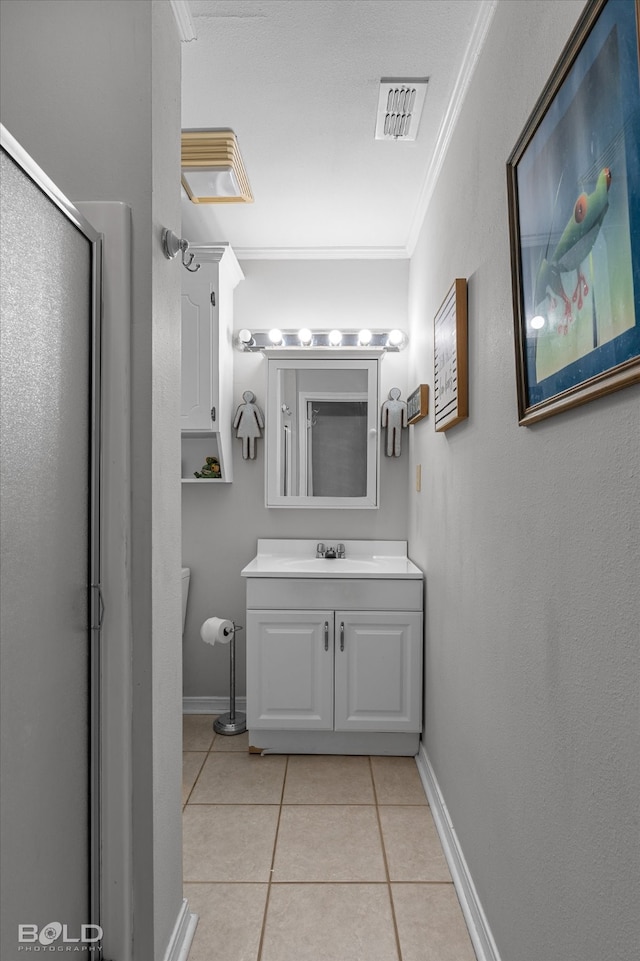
232,722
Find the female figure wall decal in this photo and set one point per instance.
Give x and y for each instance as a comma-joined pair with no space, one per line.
248,424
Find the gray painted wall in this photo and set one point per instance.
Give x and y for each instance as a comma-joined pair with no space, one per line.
92,92
220,525
530,542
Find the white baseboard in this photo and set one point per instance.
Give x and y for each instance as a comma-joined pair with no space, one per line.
211,705
479,930
182,936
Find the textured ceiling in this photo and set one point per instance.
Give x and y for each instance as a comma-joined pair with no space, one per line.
298,80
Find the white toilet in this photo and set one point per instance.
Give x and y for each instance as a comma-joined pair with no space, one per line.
186,576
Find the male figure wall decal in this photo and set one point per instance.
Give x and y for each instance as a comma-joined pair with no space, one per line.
394,418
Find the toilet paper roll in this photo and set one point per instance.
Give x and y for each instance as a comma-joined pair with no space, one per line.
216,629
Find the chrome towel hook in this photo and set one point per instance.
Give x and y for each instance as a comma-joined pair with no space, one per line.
172,245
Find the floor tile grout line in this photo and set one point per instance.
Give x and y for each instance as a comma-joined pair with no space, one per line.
206,753
360,883
273,861
396,933
234,804
195,779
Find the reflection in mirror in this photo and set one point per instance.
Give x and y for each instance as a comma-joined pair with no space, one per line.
322,438
337,448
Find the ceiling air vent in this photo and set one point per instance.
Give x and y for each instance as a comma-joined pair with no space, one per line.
399,107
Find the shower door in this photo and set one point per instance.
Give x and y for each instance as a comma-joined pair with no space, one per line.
49,566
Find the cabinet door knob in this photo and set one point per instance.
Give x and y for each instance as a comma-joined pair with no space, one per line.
326,635
342,635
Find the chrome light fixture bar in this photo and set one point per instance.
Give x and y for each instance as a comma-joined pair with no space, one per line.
335,340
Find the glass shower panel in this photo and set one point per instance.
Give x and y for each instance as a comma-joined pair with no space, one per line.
47,504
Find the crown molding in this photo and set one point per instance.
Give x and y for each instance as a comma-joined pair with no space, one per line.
184,21
321,253
450,119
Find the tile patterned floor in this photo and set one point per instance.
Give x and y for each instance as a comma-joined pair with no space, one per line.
312,858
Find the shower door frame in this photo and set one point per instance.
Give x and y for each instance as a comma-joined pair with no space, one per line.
95,602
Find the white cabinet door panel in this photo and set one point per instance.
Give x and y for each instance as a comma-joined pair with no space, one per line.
195,412
290,670
207,360
378,671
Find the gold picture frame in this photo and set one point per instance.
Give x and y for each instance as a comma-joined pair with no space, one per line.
573,184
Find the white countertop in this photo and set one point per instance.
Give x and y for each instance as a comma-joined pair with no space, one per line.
364,559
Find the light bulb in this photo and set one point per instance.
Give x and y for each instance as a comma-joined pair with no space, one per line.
275,336
537,322
245,336
396,337
335,337
364,337
305,336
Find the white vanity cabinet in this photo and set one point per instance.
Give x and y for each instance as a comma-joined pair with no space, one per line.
334,670
207,359
334,663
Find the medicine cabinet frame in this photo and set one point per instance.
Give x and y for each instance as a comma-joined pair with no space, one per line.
279,459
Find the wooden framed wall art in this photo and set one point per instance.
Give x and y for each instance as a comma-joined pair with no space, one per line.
450,358
573,184
418,404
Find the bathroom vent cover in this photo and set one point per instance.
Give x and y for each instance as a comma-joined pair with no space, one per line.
400,105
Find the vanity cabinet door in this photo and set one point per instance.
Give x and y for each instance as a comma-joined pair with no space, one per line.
378,671
290,670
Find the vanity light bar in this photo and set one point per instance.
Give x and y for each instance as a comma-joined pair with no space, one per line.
391,340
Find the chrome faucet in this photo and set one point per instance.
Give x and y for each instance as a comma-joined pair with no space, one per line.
330,552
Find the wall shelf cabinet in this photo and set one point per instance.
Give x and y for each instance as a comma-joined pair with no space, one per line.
207,360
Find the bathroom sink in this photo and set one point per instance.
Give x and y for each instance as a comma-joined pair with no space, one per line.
337,566
364,559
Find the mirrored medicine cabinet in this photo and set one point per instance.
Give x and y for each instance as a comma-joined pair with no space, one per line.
322,432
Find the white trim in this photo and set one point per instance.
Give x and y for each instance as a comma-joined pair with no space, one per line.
72,211
477,923
388,744
113,220
220,253
450,119
182,936
184,22
211,705
322,253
